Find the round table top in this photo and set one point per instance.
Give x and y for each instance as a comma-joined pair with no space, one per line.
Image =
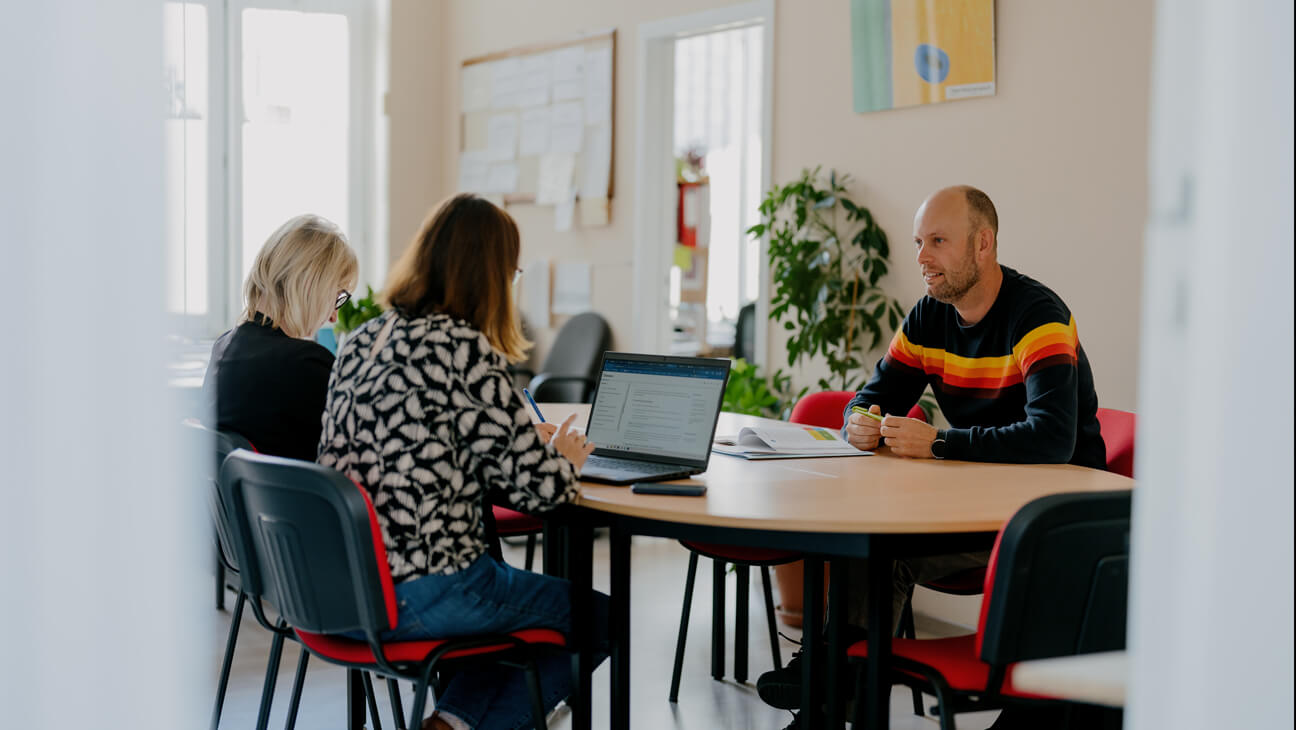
881,493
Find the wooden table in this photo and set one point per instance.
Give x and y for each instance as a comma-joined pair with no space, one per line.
879,507
1093,678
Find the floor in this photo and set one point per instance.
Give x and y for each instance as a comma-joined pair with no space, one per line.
658,569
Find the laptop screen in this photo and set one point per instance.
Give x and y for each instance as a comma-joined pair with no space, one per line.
657,406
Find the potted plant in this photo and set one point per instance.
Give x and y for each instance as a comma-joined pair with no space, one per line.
354,313
827,255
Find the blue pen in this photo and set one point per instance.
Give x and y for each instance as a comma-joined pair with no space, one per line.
531,400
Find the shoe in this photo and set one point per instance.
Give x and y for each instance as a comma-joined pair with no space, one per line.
781,688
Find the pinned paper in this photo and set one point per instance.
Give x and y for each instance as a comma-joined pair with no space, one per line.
565,212
535,132
473,167
475,87
537,75
596,162
502,177
598,86
566,128
571,289
555,184
535,293
506,82
683,257
502,137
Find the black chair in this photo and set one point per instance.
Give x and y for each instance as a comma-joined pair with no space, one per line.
1056,586
745,333
209,448
572,365
310,544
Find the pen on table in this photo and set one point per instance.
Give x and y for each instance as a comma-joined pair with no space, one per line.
854,409
534,407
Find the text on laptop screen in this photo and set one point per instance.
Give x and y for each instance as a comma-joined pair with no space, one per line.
656,408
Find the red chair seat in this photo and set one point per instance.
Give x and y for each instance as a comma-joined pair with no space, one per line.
358,652
955,658
736,554
509,522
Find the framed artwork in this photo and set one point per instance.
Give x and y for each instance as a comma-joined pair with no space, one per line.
910,52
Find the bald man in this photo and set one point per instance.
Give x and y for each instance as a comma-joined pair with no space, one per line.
1001,354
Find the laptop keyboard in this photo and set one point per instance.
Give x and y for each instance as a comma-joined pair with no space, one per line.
611,463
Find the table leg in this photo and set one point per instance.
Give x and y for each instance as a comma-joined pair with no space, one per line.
355,700
877,694
838,585
811,644
553,557
620,629
579,549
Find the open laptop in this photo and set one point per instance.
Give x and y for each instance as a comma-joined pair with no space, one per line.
653,417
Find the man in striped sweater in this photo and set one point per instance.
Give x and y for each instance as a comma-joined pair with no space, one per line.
1002,356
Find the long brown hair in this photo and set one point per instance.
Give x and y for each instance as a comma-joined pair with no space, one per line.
461,263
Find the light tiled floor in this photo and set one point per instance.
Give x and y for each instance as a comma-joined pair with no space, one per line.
658,570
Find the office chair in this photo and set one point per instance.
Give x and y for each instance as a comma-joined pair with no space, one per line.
745,332
1118,429
509,523
1056,586
309,542
572,364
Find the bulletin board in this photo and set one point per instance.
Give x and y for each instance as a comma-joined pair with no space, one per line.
536,125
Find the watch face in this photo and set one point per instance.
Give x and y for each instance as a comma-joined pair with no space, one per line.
938,448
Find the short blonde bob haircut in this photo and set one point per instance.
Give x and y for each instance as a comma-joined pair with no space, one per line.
298,274
461,263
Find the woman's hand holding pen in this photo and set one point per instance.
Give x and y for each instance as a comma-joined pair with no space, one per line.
571,444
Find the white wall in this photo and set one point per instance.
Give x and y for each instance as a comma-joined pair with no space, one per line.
1211,604
102,550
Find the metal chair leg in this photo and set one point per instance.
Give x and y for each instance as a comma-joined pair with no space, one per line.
742,591
372,699
272,673
537,697
717,619
236,619
298,681
220,582
769,618
420,701
393,692
530,550
683,629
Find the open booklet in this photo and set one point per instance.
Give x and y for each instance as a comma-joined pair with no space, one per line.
785,442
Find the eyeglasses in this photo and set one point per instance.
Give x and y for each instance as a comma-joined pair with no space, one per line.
517,276
343,298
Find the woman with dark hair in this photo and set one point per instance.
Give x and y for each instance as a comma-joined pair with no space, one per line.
422,413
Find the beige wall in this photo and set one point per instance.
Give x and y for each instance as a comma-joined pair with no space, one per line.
1062,148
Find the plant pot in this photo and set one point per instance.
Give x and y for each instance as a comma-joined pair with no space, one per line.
790,578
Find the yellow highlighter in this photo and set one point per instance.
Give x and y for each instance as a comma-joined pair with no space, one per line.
865,412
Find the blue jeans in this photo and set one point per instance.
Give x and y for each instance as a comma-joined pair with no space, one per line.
490,597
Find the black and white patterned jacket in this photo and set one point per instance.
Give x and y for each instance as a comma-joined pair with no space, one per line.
425,424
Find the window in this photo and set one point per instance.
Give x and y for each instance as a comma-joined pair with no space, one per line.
273,113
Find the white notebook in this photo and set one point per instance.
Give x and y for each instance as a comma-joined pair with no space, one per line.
784,442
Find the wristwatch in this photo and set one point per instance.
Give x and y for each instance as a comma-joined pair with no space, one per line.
938,446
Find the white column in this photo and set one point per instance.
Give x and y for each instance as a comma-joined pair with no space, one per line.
1211,592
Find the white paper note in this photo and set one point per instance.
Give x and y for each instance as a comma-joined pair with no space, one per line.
473,167
502,177
598,86
596,162
565,212
571,287
569,63
535,132
555,179
475,85
566,128
501,137
537,77
506,82
535,293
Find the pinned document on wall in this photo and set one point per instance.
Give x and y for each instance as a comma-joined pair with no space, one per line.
571,287
555,185
535,293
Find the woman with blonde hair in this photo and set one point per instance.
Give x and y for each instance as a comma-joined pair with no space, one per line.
421,412
267,378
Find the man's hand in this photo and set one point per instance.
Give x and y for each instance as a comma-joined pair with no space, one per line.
862,432
908,436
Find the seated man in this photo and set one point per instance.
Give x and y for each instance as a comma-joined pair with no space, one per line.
1001,354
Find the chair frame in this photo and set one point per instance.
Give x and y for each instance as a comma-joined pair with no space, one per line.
371,608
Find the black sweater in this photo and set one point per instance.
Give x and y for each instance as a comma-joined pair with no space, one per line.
1015,387
269,388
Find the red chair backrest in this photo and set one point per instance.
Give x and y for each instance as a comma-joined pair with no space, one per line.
1118,429
825,409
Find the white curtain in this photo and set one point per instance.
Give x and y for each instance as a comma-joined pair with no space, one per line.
1211,605
102,549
